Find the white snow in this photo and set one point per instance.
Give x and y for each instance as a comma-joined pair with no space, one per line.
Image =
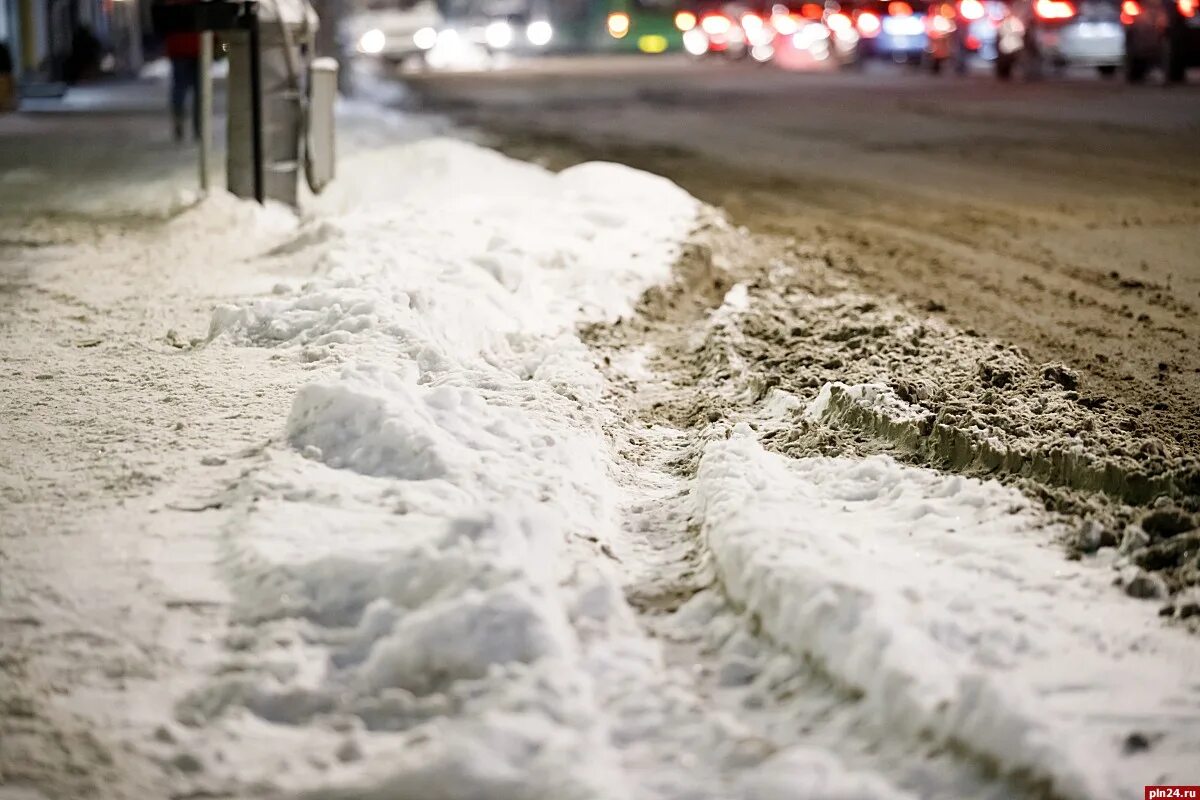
445,465
428,561
943,601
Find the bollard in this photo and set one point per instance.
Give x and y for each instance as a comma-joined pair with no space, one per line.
322,92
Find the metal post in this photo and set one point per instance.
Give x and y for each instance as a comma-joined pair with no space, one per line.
256,100
206,56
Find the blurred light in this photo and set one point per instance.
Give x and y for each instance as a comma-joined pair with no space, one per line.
940,24
839,22
715,24
903,26
784,23
809,35
811,11
820,49
618,24
652,43
1053,9
973,42
757,32
899,8
1187,8
425,38
762,53
695,42
372,42
447,37
539,33
869,25
971,9
685,20
498,34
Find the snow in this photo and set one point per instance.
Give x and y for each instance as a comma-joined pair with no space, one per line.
442,464
428,550
938,597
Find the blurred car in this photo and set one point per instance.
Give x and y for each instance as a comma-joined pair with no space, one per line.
894,30
809,31
718,30
1161,33
643,26
962,30
391,34
1034,34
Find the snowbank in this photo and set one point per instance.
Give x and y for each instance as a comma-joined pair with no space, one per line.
427,543
936,597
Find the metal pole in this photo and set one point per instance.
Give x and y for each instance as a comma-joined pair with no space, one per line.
206,56
256,101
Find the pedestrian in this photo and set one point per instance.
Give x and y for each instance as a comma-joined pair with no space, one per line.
183,49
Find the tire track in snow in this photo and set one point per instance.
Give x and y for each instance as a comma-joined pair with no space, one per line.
954,747
813,737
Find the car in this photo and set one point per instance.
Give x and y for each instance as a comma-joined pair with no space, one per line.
638,26
893,31
1161,33
716,30
961,30
1035,34
391,34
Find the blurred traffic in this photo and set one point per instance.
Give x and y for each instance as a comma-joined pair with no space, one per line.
1014,39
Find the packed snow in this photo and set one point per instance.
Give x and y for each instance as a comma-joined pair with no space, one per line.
428,565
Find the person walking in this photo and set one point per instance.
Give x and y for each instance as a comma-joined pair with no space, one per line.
183,49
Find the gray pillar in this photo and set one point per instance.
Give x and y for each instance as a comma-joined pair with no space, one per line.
281,118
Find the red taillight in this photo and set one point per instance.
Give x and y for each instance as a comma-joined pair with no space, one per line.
1188,8
971,9
899,8
868,24
715,24
1129,10
811,11
1054,9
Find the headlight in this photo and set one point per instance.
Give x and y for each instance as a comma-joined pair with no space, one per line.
498,34
539,33
372,42
425,38
618,24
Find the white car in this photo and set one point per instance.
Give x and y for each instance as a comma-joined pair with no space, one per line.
394,35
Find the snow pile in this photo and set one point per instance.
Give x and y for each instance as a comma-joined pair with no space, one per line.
419,571
936,597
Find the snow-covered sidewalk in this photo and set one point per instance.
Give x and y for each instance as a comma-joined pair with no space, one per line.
339,504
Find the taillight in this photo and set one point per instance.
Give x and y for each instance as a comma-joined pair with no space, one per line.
971,9
1129,10
715,24
811,11
1188,8
868,24
685,20
899,8
1054,9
